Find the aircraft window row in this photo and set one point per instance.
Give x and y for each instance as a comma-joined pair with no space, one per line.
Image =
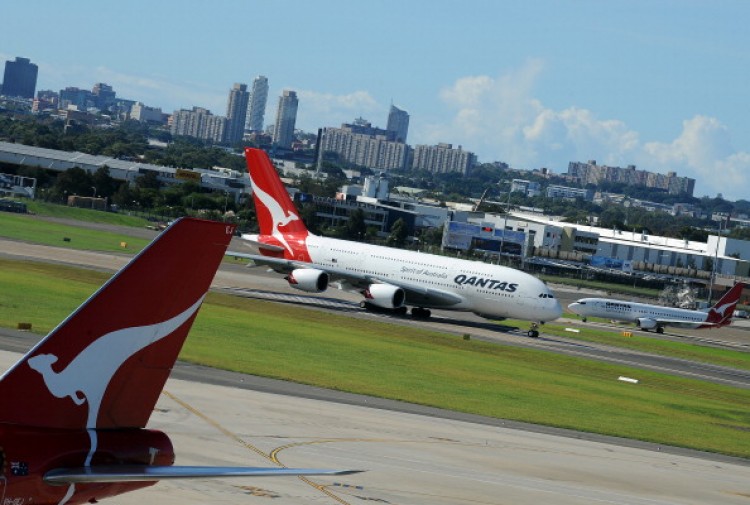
495,293
422,281
419,263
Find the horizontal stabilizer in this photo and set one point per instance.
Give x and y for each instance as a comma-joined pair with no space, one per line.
140,473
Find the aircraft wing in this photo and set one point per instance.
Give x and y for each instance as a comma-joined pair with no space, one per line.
415,294
132,473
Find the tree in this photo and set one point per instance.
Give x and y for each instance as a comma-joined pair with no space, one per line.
103,182
74,181
149,180
399,233
355,226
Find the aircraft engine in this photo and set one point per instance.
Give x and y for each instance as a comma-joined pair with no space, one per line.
385,296
308,279
645,323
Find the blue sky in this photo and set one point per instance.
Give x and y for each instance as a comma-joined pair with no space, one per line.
662,85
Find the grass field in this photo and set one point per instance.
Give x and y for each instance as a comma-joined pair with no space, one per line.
684,350
404,363
32,229
93,216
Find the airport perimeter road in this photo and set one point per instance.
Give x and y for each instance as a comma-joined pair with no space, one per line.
407,458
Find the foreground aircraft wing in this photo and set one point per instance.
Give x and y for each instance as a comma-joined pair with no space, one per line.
415,294
134,473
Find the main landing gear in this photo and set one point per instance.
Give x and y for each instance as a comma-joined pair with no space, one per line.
399,311
420,313
533,331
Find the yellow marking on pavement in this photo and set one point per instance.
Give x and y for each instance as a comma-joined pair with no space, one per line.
250,446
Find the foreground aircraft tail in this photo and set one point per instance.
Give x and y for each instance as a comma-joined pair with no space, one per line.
106,364
276,212
721,313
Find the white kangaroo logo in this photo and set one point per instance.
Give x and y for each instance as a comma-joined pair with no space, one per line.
278,214
87,377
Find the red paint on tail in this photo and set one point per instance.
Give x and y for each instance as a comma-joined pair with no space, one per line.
278,219
721,313
106,364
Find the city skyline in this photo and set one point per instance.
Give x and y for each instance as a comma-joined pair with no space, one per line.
660,85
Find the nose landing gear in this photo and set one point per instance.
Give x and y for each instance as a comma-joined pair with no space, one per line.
533,331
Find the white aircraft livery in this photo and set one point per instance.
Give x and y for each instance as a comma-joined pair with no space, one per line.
388,278
656,317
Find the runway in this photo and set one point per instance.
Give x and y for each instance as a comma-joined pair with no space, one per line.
408,458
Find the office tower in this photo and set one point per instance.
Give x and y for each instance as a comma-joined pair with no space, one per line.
286,116
20,78
257,108
104,95
79,98
398,122
236,111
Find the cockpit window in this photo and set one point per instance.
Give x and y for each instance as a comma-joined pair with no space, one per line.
546,295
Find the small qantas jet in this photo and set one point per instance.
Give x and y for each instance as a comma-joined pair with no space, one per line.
388,278
656,317
73,410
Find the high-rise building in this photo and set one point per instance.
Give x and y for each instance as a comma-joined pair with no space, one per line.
20,78
362,144
199,123
398,123
286,117
257,108
104,95
79,98
146,114
591,173
236,111
442,158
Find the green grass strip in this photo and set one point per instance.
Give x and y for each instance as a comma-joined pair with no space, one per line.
32,229
392,361
614,337
92,216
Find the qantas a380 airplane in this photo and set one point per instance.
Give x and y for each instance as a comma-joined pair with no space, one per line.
388,278
656,317
73,410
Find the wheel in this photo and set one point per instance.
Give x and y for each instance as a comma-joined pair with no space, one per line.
363,304
583,319
660,330
533,334
400,310
419,312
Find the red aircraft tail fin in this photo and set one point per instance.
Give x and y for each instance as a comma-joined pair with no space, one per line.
105,365
275,210
721,313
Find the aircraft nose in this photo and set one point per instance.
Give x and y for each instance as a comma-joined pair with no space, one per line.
574,307
556,311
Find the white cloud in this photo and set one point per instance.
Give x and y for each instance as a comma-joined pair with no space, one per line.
326,109
158,92
704,151
499,119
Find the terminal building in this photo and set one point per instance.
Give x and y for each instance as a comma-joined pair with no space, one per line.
543,237
231,182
